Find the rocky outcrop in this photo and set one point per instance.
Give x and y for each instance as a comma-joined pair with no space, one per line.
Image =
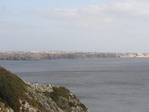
19,96
4,108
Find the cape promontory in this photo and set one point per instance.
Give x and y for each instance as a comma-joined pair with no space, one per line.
43,55
17,95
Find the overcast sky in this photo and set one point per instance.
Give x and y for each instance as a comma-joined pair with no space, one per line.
74,25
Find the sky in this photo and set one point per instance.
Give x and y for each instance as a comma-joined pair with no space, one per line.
74,25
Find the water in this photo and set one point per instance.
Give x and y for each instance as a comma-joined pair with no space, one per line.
103,85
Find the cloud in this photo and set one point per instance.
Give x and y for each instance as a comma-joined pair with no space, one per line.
5,12
82,14
129,8
106,12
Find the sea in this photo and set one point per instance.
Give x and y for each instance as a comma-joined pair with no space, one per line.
103,84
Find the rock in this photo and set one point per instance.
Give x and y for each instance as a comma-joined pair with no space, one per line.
17,95
3,108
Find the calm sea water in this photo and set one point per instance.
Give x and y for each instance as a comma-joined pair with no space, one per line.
103,85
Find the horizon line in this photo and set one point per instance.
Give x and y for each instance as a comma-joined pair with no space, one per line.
66,51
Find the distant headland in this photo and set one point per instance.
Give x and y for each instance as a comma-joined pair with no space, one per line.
43,55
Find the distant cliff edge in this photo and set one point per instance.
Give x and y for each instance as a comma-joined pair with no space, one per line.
32,55
19,96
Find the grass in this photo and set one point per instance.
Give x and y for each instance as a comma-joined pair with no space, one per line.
61,97
58,92
12,88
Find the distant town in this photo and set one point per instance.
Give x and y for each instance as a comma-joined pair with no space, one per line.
43,55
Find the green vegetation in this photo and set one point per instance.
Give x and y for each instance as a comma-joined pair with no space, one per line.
12,89
61,97
83,106
0,99
60,91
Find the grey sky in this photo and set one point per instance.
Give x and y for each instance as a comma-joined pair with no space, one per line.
89,25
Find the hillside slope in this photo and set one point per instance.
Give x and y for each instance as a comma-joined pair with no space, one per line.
19,96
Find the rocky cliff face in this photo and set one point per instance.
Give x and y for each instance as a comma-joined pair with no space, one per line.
19,96
53,55
64,55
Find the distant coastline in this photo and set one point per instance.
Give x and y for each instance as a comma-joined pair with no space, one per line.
42,55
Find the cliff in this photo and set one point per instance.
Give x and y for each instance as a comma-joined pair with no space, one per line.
19,96
52,55
32,55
